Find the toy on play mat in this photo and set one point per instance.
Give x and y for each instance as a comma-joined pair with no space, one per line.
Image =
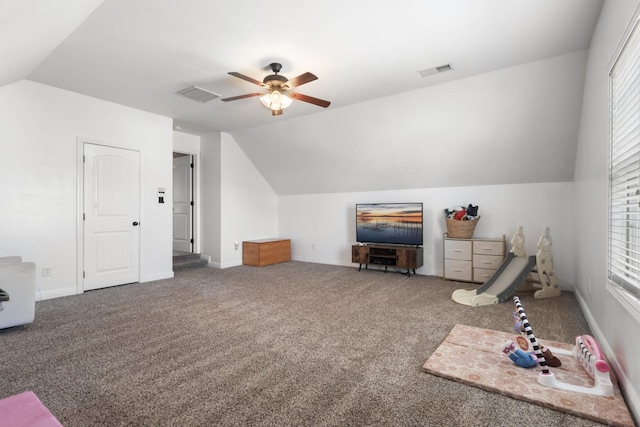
513,271
520,354
586,350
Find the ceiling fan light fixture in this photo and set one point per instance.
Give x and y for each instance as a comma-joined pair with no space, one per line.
276,102
279,95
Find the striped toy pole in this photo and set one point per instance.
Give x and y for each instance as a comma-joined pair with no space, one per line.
532,338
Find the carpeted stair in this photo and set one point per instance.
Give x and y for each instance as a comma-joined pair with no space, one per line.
187,261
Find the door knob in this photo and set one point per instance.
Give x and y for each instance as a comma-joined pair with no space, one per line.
135,223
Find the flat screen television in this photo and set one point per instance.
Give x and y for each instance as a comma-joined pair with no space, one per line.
391,223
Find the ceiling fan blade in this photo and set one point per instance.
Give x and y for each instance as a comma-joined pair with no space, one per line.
235,98
300,80
309,99
247,78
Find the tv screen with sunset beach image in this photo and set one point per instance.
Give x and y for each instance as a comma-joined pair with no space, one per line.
391,223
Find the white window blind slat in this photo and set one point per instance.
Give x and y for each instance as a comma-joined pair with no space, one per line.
625,172
624,169
628,147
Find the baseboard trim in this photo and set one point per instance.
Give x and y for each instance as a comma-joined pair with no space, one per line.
157,276
631,396
58,293
230,264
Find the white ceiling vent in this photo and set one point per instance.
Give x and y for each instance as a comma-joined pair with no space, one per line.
436,70
198,94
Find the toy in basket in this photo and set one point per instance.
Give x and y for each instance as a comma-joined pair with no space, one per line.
461,222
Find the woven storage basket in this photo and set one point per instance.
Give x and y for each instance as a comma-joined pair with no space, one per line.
461,229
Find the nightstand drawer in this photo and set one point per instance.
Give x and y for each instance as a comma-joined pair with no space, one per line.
457,269
491,262
457,249
488,247
482,274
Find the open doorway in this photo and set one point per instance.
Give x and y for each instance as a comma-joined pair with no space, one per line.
183,203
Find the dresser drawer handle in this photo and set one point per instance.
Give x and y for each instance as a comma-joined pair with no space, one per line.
457,250
457,270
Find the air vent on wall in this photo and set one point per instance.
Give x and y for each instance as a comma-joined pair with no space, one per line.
198,94
436,70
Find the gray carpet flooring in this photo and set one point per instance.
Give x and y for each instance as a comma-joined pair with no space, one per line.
293,344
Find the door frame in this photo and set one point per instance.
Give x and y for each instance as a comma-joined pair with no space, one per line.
191,197
80,142
195,190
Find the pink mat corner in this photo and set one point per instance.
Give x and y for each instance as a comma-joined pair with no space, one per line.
25,410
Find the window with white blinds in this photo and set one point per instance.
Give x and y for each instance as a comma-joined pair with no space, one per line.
624,168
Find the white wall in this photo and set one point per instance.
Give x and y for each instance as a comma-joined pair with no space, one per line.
611,322
186,143
322,226
237,203
39,167
249,205
210,196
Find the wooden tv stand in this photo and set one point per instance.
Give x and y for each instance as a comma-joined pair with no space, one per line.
388,256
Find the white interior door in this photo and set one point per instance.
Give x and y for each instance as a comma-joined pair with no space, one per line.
111,216
182,204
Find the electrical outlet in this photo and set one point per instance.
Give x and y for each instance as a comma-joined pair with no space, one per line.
313,246
236,245
46,271
589,285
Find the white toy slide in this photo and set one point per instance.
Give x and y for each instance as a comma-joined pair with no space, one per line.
501,285
512,272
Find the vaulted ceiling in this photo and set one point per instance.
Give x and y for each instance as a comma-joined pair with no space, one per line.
366,54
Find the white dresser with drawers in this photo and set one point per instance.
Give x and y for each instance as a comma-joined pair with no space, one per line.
472,260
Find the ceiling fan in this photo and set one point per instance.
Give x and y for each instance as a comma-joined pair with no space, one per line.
279,93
